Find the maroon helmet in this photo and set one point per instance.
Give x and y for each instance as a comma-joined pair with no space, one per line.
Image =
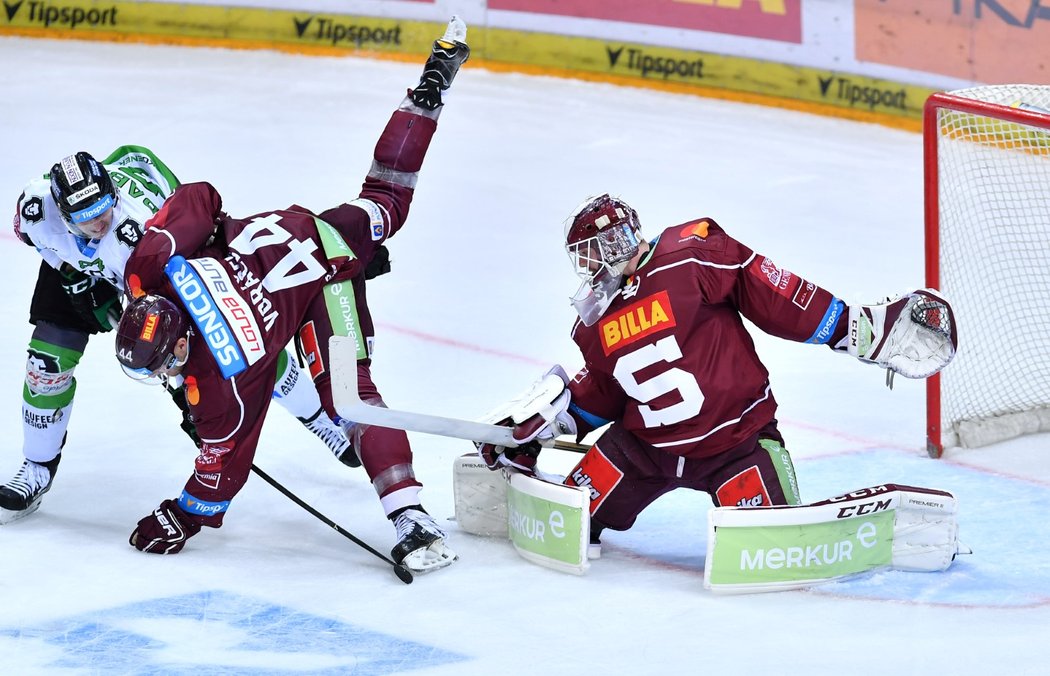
148,331
601,238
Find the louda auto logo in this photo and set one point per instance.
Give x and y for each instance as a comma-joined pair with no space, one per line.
50,14
332,32
649,65
859,95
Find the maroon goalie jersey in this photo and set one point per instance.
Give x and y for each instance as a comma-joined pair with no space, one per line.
671,357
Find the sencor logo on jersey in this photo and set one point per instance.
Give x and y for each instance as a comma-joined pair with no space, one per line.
224,319
643,318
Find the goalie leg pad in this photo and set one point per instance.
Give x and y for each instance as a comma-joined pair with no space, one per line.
790,547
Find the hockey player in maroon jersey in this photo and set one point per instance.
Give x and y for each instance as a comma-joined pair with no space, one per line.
670,364
218,297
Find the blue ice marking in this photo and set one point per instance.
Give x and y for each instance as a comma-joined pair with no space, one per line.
218,632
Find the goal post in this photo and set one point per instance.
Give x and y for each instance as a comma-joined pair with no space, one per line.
987,218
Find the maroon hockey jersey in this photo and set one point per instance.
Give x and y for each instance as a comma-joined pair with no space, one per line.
671,357
264,275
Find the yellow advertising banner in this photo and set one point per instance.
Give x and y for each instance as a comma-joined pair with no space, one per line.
987,41
739,78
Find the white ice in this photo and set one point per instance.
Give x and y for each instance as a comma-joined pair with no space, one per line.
475,309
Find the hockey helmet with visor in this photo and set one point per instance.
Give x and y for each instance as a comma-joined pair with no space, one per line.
84,193
147,336
601,238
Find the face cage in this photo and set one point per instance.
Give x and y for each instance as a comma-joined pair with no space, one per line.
610,249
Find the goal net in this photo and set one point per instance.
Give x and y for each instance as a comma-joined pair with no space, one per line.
987,168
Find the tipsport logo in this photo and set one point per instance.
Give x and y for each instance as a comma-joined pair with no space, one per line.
862,96
650,66
60,16
336,33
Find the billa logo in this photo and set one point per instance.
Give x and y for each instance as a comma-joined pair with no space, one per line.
644,318
149,328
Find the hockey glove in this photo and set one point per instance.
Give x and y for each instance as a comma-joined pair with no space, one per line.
448,54
178,395
379,265
96,301
913,335
538,415
165,531
521,458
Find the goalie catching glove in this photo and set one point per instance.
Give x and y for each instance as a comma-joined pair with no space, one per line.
538,415
913,335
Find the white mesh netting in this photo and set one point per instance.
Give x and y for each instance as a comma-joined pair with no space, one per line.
993,196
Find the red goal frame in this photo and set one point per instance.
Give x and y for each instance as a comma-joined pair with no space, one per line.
931,137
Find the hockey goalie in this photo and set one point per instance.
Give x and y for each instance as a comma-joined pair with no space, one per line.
671,373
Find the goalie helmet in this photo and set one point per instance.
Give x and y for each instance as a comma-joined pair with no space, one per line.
83,191
601,238
147,334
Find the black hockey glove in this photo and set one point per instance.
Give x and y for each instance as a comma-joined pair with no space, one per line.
379,265
178,395
165,531
521,458
96,301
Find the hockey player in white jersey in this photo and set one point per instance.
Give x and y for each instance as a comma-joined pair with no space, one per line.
84,219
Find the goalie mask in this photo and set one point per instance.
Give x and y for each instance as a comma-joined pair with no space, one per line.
601,238
84,194
146,338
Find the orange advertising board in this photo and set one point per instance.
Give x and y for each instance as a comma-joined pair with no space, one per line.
770,19
987,41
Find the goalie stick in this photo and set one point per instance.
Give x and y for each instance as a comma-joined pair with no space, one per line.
343,356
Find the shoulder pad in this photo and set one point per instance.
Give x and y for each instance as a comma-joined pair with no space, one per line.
28,212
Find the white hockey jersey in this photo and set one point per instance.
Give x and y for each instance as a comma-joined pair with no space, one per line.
142,183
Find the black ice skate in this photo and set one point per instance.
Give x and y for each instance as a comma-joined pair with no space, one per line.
21,496
448,54
333,436
420,543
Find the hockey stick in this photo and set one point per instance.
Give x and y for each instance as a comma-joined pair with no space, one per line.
343,357
403,573
570,446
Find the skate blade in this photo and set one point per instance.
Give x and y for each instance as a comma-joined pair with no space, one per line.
428,559
11,515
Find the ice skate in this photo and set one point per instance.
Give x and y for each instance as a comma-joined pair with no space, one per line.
447,55
21,496
333,437
421,543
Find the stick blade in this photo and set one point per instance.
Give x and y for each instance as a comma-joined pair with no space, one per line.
345,395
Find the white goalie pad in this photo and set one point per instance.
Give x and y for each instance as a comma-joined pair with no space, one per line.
548,523
480,496
778,548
